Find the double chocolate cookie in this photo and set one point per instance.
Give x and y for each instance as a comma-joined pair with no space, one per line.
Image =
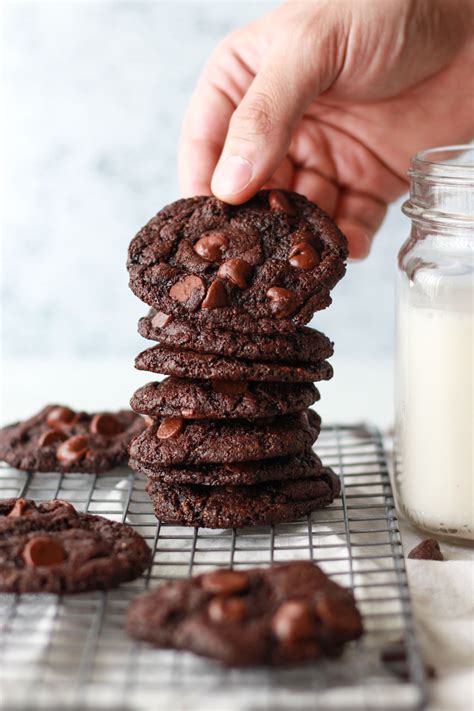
303,345
173,440
287,614
60,439
50,547
300,466
249,505
222,399
188,364
262,267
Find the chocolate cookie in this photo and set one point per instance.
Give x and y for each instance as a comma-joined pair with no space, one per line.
220,399
270,502
263,266
300,466
173,440
49,547
305,344
288,614
60,439
188,364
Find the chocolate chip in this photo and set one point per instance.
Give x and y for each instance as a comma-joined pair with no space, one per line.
43,551
293,621
279,201
427,550
106,424
216,296
73,449
211,245
51,437
170,427
226,609
160,320
339,614
303,256
21,507
60,417
237,271
225,582
189,288
282,301
230,387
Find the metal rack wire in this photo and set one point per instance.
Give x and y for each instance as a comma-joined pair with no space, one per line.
70,652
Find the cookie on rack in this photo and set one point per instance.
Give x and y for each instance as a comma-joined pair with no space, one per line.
221,399
261,267
49,547
283,615
190,364
61,439
236,506
173,440
299,466
304,344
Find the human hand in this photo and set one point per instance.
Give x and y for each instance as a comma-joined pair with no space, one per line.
330,98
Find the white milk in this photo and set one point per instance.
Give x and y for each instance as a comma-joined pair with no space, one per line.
435,429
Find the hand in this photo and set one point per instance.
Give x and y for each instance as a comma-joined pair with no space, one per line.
331,98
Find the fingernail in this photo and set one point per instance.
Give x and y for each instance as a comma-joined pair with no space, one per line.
231,176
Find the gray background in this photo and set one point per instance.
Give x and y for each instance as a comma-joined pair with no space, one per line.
94,94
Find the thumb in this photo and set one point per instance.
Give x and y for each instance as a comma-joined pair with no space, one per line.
261,127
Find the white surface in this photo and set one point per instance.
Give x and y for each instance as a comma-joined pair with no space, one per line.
93,95
442,592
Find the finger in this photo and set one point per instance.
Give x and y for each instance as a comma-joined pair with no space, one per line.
318,189
202,137
359,216
261,127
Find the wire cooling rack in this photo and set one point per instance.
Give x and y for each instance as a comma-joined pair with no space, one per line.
70,652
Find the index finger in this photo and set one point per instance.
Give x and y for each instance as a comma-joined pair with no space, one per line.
202,137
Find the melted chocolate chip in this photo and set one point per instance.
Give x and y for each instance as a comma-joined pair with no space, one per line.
51,437
189,288
279,201
303,256
225,582
237,271
223,609
170,427
73,449
61,417
21,507
283,302
106,424
43,551
216,296
293,621
211,245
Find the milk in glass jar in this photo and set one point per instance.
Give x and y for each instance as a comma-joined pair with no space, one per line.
434,478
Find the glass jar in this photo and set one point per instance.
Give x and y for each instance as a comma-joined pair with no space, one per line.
434,477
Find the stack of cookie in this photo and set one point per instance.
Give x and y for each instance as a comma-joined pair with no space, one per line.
230,289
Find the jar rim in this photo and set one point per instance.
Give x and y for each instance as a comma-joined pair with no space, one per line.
448,162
